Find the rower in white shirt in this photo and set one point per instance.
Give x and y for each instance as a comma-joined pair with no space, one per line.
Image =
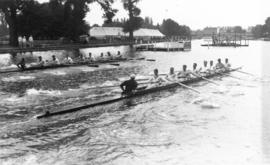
171,76
68,60
227,64
184,74
55,61
156,80
204,69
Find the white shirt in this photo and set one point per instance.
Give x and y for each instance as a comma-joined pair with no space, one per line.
68,60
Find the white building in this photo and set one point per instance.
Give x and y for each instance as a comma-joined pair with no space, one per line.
117,32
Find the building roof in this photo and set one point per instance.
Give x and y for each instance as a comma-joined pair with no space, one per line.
118,31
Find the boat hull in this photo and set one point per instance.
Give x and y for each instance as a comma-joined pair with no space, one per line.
62,66
136,94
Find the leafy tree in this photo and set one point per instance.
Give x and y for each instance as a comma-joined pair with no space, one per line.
257,31
171,28
3,25
134,22
53,20
10,8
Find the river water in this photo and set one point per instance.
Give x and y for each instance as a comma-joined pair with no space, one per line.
226,124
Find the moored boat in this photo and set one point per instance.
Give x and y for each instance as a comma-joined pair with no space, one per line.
143,91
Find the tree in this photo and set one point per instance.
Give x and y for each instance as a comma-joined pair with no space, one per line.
3,25
257,31
10,8
134,22
54,19
171,28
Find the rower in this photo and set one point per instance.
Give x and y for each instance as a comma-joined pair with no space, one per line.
54,61
171,76
219,66
40,62
118,56
90,58
227,64
184,73
21,64
156,78
68,60
129,86
109,56
101,57
195,69
204,69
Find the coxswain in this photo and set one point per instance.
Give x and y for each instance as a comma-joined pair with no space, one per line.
171,76
227,64
68,60
219,66
184,74
21,64
55,60
129,86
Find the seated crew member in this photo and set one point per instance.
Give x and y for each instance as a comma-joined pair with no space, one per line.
195,69
118,56
219,66
109,56
204,69
40,62
54,61
21,64
129,86
184,74
100,58
227,64
156,80
68,60
90,58
211,68
171,76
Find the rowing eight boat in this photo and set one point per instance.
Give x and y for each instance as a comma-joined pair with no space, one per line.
65,65
137,93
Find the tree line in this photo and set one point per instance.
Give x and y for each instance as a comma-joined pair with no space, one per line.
261,31
168,27
65,18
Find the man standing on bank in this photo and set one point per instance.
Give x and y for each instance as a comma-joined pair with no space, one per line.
129,86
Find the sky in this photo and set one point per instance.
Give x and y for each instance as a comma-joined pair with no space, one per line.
196,14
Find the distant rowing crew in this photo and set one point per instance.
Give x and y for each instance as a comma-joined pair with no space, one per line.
69,60
129,86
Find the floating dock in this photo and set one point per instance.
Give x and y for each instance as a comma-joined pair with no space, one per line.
165,46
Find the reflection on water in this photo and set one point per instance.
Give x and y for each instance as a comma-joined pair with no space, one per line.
227,124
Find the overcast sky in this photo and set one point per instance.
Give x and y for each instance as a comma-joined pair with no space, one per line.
195,13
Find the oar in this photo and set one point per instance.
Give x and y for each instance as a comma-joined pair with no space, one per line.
115,64
206,79
245,73
150,60
92,65
183,85
230,76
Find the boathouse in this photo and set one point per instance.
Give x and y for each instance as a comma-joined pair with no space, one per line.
117,33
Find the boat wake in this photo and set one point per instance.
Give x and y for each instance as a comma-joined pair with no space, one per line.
18,78
34,92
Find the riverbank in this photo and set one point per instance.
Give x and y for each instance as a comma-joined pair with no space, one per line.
45,47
